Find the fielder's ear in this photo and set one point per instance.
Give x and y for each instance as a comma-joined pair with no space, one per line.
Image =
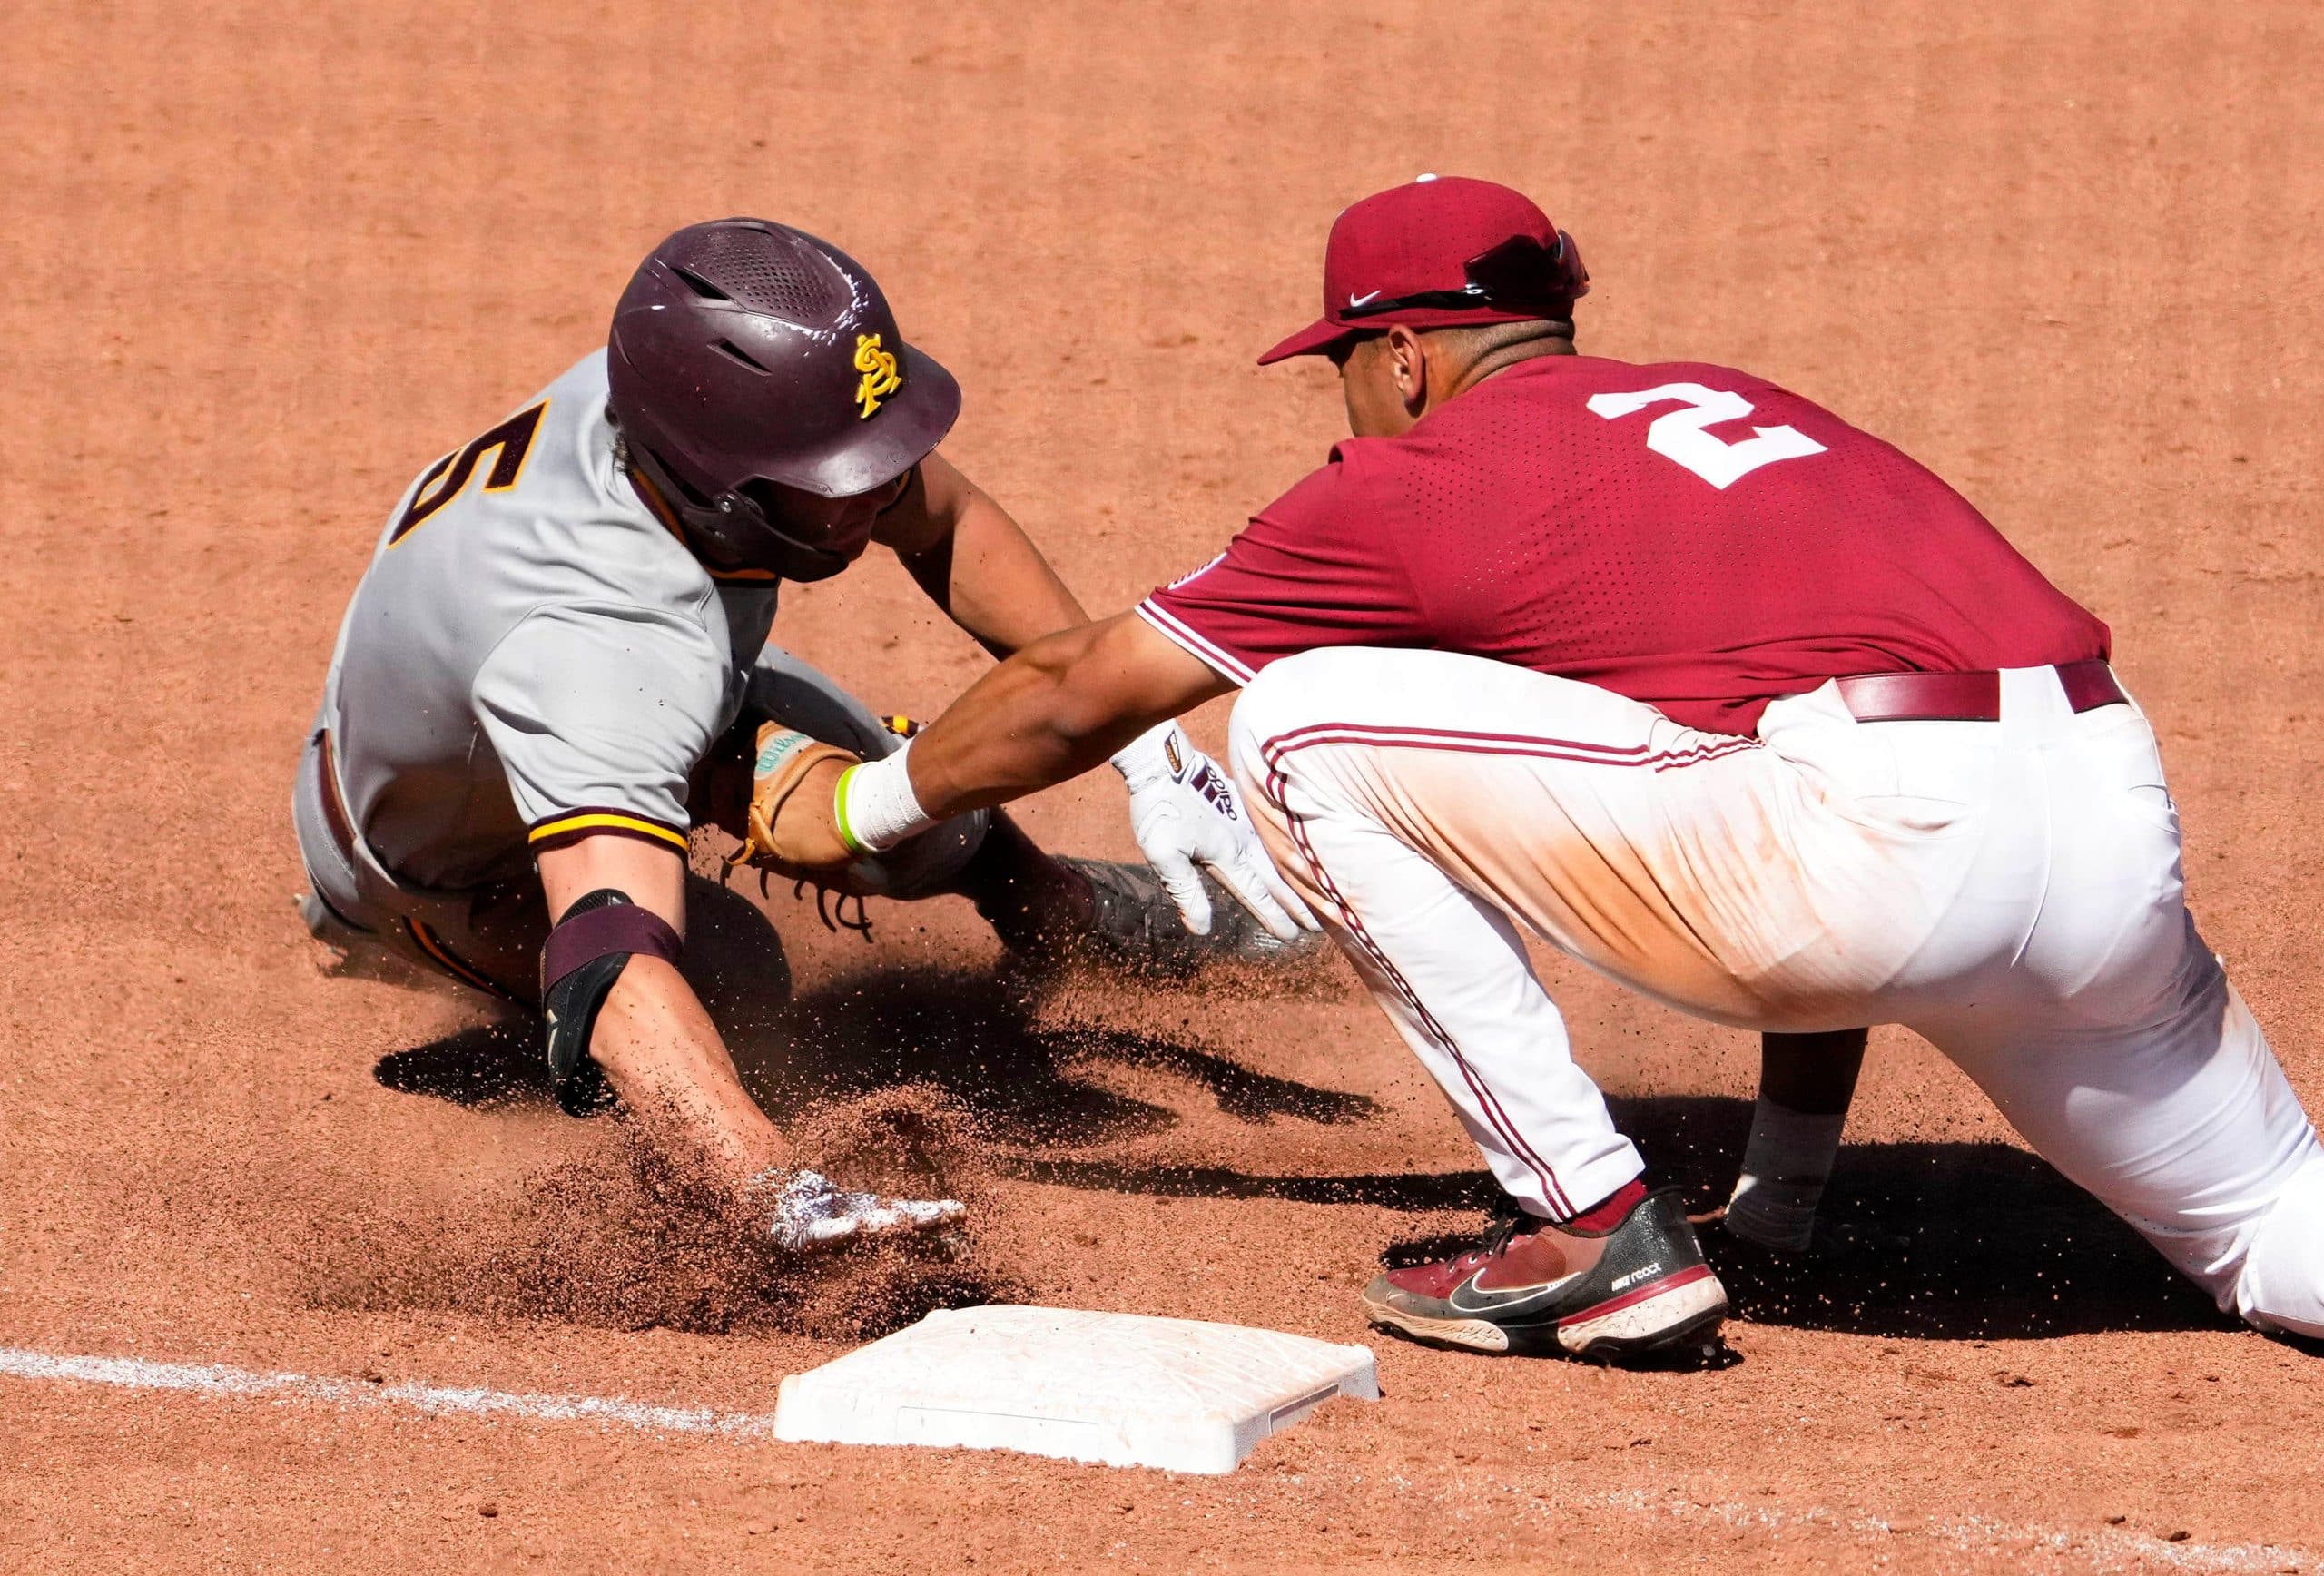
1408,367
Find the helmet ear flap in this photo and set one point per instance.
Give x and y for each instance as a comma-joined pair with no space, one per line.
753,510
737,525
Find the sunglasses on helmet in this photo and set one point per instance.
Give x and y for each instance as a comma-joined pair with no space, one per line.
1521,274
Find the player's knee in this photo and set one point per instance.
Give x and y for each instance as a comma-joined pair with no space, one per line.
2280,1287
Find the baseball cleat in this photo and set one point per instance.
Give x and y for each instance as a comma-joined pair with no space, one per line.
1536,1287
1137,926
812,1214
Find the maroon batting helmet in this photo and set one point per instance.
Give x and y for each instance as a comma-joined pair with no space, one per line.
745,352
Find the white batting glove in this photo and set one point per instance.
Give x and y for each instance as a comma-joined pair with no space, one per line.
812,1212
1185,812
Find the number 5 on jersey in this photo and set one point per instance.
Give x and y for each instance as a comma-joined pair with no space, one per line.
508,443
1680,436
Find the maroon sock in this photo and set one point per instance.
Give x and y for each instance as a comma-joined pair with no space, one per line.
1609,1211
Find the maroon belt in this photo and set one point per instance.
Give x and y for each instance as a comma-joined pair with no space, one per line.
1967,697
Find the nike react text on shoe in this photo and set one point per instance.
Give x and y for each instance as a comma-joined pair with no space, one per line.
1535,1286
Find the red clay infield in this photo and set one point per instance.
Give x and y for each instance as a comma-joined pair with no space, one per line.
265,262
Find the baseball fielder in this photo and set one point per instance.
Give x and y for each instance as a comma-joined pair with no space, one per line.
1734,702
558,661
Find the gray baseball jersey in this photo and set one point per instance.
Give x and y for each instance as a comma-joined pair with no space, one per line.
532,656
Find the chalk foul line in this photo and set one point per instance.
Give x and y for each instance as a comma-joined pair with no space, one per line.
213,1379
2099,1548
2107,1547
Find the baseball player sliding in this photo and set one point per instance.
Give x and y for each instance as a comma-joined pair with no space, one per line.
1732,702
557,661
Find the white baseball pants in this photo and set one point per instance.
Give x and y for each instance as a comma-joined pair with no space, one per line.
2009,889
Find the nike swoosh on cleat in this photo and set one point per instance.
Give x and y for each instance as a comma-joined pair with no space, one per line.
1515,1301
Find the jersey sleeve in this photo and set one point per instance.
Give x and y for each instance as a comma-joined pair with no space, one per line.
1316,567
598,713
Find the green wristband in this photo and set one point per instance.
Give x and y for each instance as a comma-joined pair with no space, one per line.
839,812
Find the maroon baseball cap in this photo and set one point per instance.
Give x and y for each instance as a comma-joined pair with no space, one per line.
1440,252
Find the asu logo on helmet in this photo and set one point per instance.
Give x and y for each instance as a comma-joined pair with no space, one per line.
880,378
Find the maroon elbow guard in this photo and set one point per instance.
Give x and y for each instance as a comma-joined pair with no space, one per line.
585,955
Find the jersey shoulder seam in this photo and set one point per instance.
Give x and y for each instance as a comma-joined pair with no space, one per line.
698,621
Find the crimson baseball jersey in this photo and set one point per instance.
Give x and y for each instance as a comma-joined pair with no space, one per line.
1686,535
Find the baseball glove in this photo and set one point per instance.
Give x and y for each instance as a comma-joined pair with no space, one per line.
788,834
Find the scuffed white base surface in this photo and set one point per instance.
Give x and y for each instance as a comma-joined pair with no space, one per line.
1120,1389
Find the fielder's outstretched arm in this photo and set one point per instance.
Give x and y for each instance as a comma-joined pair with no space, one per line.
1060,706
1066,703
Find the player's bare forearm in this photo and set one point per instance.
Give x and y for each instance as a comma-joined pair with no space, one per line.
653,1039
663,1056
975,563
1056,709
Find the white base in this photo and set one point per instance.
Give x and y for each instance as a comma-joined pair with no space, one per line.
1120,1389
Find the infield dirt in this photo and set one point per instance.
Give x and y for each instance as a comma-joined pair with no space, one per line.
264,262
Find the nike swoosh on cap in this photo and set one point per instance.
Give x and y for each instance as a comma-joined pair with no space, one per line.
1357,300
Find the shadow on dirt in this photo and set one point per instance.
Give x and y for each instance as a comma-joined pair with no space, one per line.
982,1040
482,1065
1955,1241
978,1038
735,959
919,1081
1940,1240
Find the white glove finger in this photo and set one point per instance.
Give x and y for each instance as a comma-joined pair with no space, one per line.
1244,876
885,1215
1184,884
1290,901
811,1213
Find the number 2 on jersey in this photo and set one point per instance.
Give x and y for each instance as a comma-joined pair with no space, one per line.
513,438
1680,436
